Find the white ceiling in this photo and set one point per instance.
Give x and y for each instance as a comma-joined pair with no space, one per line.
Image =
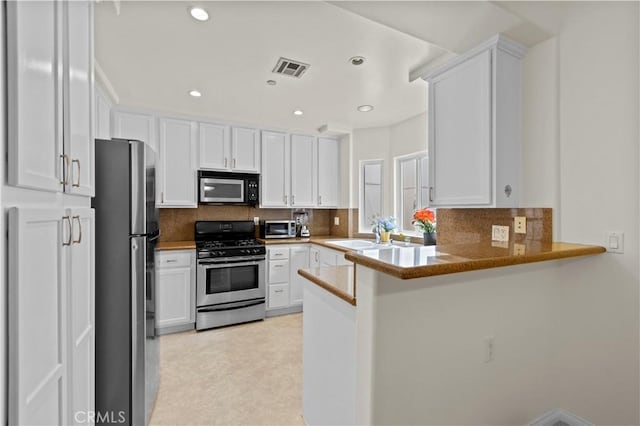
153,53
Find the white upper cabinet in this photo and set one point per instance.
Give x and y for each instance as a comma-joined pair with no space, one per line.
328,173
215,146
103,115
231,149
79,108
245,150
274,184
303,171
50,82
176,172
474,128
137,126
300,171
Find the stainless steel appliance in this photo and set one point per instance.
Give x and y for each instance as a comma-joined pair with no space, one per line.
127,352
278,229
228,188
230,281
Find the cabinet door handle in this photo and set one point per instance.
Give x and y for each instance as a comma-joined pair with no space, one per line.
225,162
65,169
69,229
316,256
172,260
234,164
278,291
431,193
293,200
285,199
76,161
162,197
319,200
277,266
77,219
277,254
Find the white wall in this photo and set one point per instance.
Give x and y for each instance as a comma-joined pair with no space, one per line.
385,143
409,136
581,157
370,144
427,359
540,149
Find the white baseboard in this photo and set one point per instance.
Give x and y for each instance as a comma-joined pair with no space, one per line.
556,415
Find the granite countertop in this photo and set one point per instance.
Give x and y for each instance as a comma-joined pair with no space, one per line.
310,240
425,261
176,245
339,280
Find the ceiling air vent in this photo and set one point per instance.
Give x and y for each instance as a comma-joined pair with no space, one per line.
290,67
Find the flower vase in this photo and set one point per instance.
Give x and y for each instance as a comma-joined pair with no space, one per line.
385,236
429,238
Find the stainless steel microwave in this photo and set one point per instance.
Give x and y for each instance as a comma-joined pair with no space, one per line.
228,188
278,229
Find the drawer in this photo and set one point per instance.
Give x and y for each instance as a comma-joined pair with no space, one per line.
173,259
278,295
279,253
278,271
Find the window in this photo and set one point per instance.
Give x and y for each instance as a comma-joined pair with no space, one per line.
412,188
371,193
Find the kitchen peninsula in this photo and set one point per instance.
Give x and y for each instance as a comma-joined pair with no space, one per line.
449,334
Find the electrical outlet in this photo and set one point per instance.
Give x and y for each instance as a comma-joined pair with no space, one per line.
520,225
499,233
336,221
489,348
615,242
256,220
519,249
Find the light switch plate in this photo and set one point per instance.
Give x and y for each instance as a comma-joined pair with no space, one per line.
614,242
336,221
520,224
499,233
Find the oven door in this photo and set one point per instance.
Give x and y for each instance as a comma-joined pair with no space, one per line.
220,190
229,281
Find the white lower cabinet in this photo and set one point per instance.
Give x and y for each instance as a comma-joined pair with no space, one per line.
298,259
51,315
176,288
284,285
323,256
278,295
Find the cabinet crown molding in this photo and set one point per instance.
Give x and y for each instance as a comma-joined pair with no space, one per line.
499,41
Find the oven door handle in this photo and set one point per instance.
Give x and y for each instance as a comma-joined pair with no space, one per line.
231,308
228,262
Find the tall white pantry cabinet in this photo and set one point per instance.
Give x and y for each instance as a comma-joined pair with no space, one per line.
47,198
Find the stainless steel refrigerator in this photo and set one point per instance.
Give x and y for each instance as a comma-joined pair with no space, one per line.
127,352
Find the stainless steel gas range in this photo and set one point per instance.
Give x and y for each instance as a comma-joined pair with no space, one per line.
230,282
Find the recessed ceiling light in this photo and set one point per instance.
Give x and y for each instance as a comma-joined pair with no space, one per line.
199,14
271,82
195,93
357,60
365,108
298,112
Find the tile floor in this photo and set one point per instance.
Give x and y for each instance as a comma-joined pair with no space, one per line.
248,374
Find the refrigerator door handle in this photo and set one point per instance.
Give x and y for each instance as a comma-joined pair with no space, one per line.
138,317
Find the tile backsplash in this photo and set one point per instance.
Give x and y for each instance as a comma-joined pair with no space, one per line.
178,224
457,226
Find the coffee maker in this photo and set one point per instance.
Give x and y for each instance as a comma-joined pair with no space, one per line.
301,218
